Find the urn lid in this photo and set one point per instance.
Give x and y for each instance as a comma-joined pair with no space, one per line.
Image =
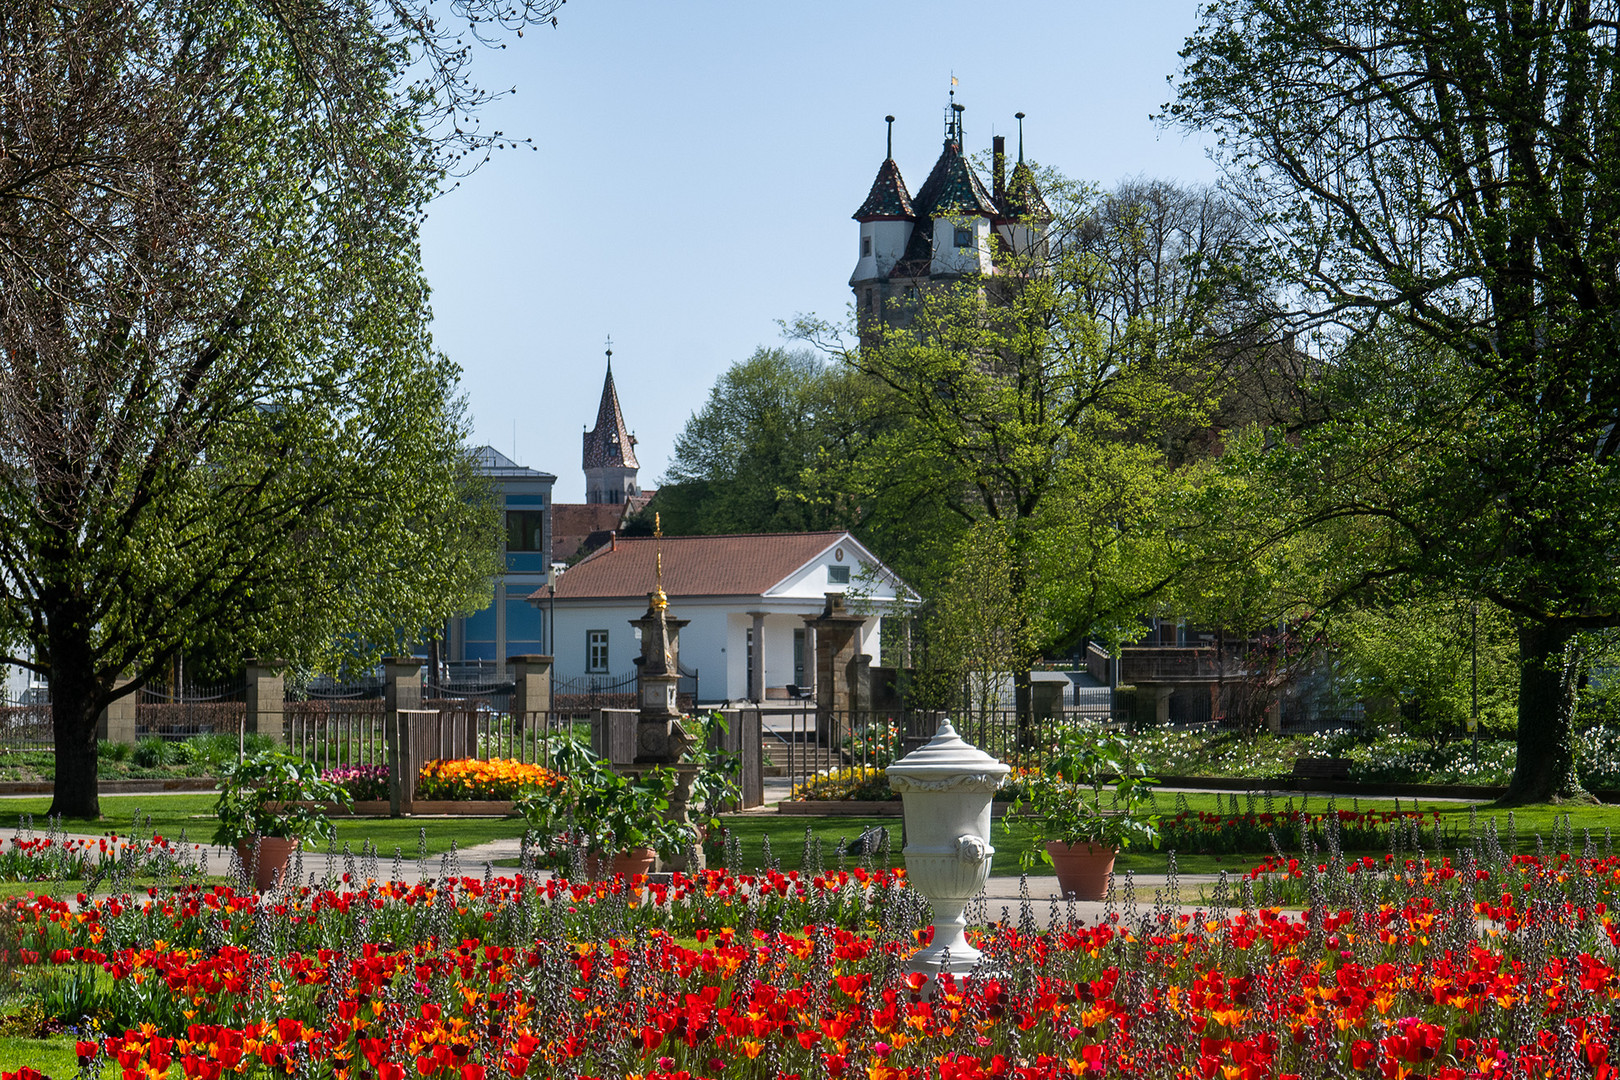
947,758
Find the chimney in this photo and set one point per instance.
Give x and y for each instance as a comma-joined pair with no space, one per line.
613,540
998,152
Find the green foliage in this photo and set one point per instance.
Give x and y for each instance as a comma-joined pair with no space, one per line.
237,438
1053,402
1066,803
766,451
115,751
1412,664
1433,183
605,812
152,752
267,793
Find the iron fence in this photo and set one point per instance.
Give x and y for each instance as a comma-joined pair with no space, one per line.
584,693
26,728
176,714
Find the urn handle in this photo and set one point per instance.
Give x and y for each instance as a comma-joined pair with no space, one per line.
971,849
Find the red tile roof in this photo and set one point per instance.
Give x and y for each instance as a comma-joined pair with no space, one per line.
574,523
736,565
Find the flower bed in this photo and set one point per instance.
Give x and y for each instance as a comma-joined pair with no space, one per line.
1200,832
1386,974
499,779
364,783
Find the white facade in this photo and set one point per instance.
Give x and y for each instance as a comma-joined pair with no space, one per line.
952,259
715,643
882,243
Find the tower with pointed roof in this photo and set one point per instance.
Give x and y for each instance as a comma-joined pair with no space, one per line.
952,230
610,451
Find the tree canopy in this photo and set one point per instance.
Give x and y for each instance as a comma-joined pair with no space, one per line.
222,420
1437,184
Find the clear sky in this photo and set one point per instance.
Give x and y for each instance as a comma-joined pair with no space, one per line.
697,166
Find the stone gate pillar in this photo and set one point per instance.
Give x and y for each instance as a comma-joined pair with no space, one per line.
117,722
840,673
402,691
266,699
531,688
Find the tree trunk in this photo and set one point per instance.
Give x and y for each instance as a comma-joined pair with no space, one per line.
76,703
1549,665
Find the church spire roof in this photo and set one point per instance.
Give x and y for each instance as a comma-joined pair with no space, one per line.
609,444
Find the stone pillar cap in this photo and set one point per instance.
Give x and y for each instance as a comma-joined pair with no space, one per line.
946,761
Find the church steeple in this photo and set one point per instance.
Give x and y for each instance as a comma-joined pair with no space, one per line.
610,450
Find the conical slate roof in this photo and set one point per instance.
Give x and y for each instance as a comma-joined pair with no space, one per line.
609,444
1023,198
888,198
953,188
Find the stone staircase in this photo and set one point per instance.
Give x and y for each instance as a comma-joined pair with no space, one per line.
798,758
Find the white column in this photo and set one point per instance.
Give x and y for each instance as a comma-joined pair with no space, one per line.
756,677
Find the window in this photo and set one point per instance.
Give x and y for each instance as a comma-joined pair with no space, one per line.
964,237
871,300
596,654
798,658
525,530
838,575
866,246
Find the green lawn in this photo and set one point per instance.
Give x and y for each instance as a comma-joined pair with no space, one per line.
170,814
194,814
55,1056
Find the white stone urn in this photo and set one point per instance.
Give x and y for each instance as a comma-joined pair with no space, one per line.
946,787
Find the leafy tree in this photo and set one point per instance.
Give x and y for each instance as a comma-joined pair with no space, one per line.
1047,399
1438,182
765,452
222,422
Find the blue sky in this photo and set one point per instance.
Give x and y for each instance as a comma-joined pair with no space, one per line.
697,166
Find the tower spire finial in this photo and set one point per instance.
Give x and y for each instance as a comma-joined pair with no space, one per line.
890,121
1020,117
610,354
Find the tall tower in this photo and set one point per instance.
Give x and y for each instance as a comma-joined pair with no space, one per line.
610,450
950,230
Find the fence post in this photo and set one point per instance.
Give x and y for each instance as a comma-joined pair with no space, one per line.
266,699
117,722
402,691
531,687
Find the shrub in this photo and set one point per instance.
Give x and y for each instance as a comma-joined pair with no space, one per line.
114,751
151,753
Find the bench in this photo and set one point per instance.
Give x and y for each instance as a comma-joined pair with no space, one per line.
1321,768
799,693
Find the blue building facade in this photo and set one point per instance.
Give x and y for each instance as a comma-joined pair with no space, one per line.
509,626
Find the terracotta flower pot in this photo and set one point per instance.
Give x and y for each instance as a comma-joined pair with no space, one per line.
635,861
1082,869
274,853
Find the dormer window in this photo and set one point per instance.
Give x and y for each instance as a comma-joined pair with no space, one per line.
964,237
866,246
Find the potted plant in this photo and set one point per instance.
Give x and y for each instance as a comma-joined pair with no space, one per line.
268,806
621,821
1078,830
